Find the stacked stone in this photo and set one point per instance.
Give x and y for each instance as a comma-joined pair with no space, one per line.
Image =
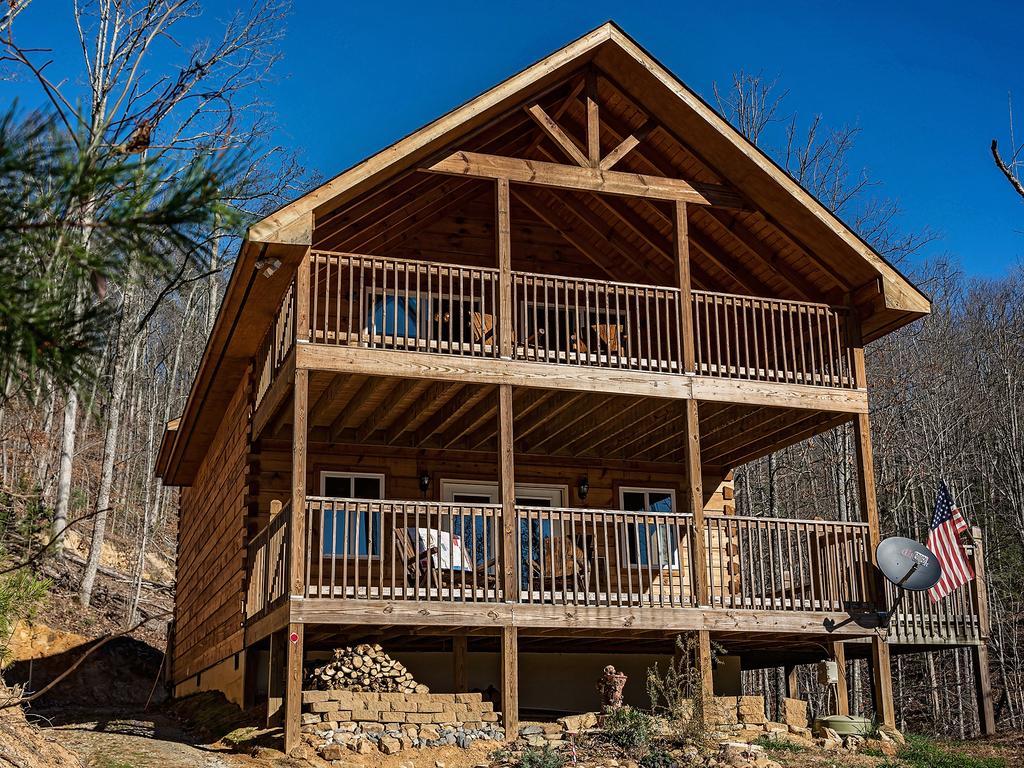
336,721
364,668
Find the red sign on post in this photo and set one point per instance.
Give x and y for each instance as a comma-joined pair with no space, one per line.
294,637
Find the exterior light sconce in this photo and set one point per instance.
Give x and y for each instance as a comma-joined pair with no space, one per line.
583,488
268,266
424,482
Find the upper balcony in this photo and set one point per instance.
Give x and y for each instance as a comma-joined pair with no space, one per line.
476,314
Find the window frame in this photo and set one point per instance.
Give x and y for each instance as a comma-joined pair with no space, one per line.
628,529
326,474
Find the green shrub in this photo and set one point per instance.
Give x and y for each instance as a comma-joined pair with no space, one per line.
629,729
773,744
921,752
541,758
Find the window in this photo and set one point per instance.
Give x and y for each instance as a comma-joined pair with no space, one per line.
347,532
650,543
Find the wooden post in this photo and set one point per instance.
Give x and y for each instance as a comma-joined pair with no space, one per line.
294,633
683,279
507,491
293,686
704,668
792,682
695,502
510,681
842,690
503,234
460,673
593,122
275,678
881,672
885,709
979,654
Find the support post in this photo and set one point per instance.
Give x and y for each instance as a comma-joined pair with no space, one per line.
294,632
704,667
275,678
695,502
460,672
979,654
684,281
507,491
510,681
842,689
593,121
503,234
885,709
293,686
880,664
792,682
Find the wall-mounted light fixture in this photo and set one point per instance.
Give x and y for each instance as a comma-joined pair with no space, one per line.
583,488
424,482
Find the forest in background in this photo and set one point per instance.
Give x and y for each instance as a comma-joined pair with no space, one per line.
76,462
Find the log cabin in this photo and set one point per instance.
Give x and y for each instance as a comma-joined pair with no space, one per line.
479,398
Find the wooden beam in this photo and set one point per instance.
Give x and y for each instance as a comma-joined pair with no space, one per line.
297,510
557,135
460,664
503,236
432,392
704,668
464,399
471,421
357,398
275,677
510,682
293,687
481,370
695,500
881,671
507,492
627,145
684,281
340,390
979,655
584,179
792,682
842,689
389,410
593,122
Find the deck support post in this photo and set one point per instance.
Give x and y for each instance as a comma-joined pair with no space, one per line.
503,235
275,677
704,666
792,682
880,665
979,654
294,632
507,492
293,686
460,672
842,690
691,445
510,681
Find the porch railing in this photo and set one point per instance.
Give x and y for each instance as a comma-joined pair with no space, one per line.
596,323
267,565
954,619
604,557
403,550
400,304
741,337
278,343
787,565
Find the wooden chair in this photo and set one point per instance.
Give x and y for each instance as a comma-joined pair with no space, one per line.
482,325
610,335
556,575
421,567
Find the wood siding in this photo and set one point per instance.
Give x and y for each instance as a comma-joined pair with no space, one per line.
211,548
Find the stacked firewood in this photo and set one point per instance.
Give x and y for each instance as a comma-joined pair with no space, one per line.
364,668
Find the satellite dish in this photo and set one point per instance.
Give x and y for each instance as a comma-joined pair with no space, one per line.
908,564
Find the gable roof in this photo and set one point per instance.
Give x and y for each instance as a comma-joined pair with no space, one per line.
249,304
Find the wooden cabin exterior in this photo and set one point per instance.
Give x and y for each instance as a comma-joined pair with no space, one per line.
485,390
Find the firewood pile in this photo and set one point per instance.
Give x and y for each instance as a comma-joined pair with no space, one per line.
364,668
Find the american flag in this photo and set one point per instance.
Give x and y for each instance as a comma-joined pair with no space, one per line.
944,541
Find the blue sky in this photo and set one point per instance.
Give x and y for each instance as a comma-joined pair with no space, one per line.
927,83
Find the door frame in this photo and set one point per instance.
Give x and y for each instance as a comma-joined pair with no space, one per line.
451,486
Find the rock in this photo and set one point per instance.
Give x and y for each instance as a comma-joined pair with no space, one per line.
893,734
577,723
530,730
333,752
389,745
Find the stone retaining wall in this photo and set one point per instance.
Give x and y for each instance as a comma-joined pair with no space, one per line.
336,721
